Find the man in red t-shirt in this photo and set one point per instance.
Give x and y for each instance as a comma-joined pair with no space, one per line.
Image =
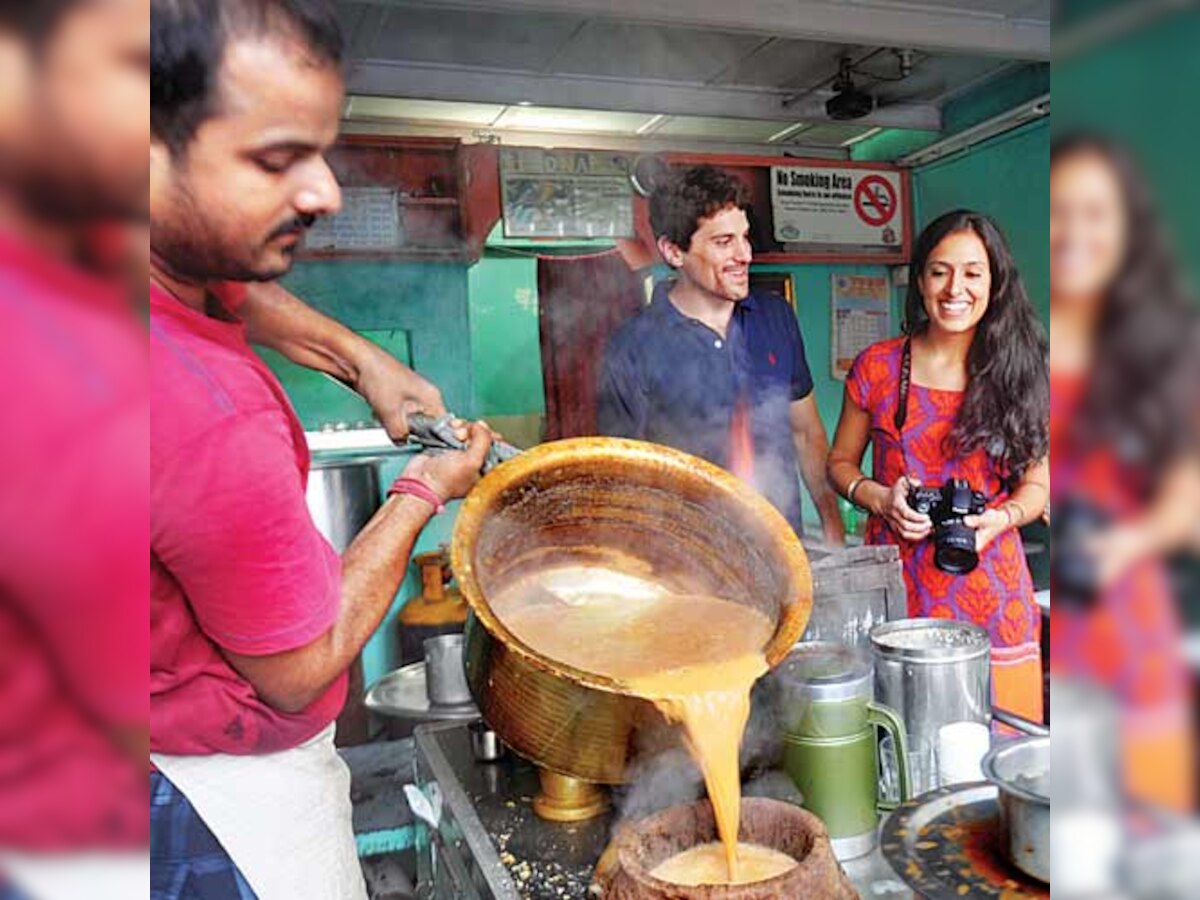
254,619
74,459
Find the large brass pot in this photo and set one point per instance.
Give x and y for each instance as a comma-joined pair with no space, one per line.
629,506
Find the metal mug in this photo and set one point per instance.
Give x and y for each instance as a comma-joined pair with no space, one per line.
445,677
831,750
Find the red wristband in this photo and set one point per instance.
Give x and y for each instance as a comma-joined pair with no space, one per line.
418,489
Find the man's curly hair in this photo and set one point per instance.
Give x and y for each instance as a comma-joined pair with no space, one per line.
688,196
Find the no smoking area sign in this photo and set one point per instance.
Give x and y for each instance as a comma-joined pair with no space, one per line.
875,200
838,206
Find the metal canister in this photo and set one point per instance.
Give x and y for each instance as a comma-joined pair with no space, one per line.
830,746
933,672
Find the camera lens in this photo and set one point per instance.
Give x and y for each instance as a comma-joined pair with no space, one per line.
954,547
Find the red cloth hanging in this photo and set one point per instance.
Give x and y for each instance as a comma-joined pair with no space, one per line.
582,301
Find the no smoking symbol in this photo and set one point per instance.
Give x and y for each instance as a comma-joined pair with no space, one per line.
875,200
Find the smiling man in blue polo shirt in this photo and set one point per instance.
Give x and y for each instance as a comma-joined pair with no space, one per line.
713,369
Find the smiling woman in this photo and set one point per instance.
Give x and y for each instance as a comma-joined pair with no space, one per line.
963,396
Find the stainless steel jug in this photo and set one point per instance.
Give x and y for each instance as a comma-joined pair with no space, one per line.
932,672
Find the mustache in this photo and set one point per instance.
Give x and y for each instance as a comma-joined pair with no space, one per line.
296,225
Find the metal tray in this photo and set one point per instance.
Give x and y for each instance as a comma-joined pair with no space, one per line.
401,694
949,843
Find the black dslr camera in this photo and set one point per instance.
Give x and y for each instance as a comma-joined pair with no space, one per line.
953,542
1073,569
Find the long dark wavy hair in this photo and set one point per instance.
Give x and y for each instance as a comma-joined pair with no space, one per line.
1140,395
1006,409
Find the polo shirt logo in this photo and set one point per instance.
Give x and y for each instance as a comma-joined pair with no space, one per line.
771,358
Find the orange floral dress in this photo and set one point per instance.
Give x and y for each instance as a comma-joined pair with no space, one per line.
998,594
1130,641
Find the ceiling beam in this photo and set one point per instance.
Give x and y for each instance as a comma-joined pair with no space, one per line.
516,138
881,24
428,82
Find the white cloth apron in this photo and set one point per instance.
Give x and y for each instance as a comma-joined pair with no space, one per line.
82,876
283,818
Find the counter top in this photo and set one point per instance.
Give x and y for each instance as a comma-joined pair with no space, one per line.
492,846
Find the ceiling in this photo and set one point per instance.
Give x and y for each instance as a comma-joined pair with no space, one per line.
745,75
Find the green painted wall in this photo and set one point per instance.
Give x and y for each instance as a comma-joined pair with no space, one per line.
1142,89
419,310
505,347
1008,178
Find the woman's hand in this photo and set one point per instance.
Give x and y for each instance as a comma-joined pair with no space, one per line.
905,521
989,525
1114,551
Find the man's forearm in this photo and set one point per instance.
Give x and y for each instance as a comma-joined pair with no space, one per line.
278,319
824,499
373,568
812,452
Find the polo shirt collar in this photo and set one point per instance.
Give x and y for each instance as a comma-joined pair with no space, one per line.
661,302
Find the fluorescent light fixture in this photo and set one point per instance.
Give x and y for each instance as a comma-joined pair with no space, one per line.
1017,116
786,132
870,132
413,110
541,118
650,124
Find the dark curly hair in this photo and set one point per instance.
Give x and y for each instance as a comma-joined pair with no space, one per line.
1140,396
690,195
1006,409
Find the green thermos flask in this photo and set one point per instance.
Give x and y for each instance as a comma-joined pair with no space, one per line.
831,749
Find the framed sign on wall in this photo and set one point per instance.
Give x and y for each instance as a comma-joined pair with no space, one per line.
566,193
852,207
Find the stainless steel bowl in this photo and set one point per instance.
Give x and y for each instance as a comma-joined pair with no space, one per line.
1021,770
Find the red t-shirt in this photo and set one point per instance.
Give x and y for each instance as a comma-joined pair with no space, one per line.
236,562
74,517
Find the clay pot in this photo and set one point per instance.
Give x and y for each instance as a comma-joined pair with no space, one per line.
641,846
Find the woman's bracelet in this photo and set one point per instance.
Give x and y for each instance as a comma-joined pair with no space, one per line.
1013,521
854,486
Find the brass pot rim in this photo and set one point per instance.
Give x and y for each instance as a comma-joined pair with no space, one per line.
483,497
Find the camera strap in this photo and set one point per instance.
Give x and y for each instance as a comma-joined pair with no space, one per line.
902,391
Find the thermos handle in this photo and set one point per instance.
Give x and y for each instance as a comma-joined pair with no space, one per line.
886,718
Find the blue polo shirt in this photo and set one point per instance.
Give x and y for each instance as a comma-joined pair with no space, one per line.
671,379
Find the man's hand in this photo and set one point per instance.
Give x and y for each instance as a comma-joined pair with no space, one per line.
452,474
393,391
